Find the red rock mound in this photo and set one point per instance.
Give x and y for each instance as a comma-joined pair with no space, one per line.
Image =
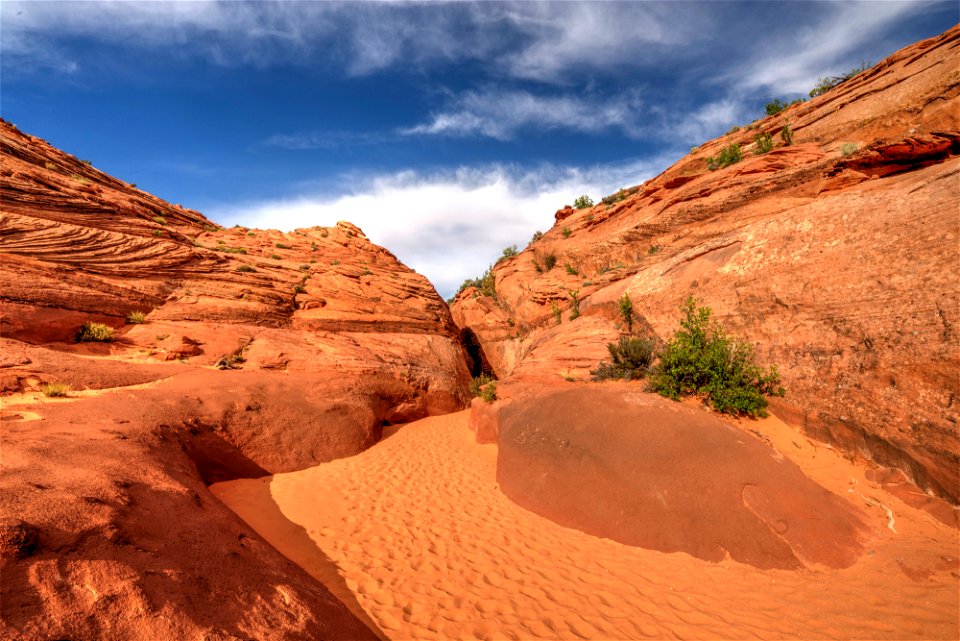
636,468
258,352
836,256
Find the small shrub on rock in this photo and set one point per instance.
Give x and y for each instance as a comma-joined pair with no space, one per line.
246,269
136,318
55,390
630,359
775,106
626,311
478,383
95,333
583,202
702,360
489,392
764,143
728,156
786,134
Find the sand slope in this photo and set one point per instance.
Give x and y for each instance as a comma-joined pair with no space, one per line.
415,537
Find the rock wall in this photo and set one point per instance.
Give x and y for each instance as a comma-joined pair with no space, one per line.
836,256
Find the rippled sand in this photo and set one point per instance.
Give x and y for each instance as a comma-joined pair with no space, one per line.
415,537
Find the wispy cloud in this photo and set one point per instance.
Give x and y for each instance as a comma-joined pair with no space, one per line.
328,139
843,31
501,114
446,224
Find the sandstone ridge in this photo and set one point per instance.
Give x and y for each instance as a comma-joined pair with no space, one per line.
260,352
836,256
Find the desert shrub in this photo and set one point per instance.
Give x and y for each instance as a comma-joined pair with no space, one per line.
489,392
158,232
160,220
299,288
508,252
848,148
136,318
231,250
231,361
786,134
653,249
485,284
694,149
54,390
282,246
619,195
544,261
729,155
626,311
764,143
555,309
732,130
575,306
275,256
304,267
246,268
478,383
702,360
95,333
210,228
583,202
86,162
334,262
537,235
566,232
630,359
775,106
826,84
571,270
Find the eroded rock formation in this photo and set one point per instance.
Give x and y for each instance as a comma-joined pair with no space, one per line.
836,256
260,352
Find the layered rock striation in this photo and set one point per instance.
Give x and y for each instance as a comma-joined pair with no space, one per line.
836,256
258,352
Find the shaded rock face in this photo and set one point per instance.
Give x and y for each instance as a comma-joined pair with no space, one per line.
117,537
836,257
636,468
261,352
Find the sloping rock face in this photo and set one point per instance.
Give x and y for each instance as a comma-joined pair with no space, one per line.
261,352
637,468
836,256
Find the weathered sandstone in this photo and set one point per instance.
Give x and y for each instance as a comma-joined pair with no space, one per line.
840,267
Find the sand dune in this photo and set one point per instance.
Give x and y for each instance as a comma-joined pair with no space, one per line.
415,537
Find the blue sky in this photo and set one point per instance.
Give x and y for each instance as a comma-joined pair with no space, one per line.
446,131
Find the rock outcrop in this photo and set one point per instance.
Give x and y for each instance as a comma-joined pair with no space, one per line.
616,462
836,256
257,352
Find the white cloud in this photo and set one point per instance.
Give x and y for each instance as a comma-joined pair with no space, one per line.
501,114
448,226
842,33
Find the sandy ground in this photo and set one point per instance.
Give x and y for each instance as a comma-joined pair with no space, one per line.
415,537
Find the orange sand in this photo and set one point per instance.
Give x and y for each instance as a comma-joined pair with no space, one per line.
415,537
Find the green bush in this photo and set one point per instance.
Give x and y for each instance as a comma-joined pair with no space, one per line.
246,268
571,270
478,382
626,311
774,107
299,288
55,390
508,252
848,148
281,246
583,202
489,392
786,134
160,220
728,156
537,235
826,84
485,284
95,333
630,359
556,312
702,360
575,306
136,318
764,143
566,232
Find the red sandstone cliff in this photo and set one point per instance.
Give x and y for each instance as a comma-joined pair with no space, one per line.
109,530
840,266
